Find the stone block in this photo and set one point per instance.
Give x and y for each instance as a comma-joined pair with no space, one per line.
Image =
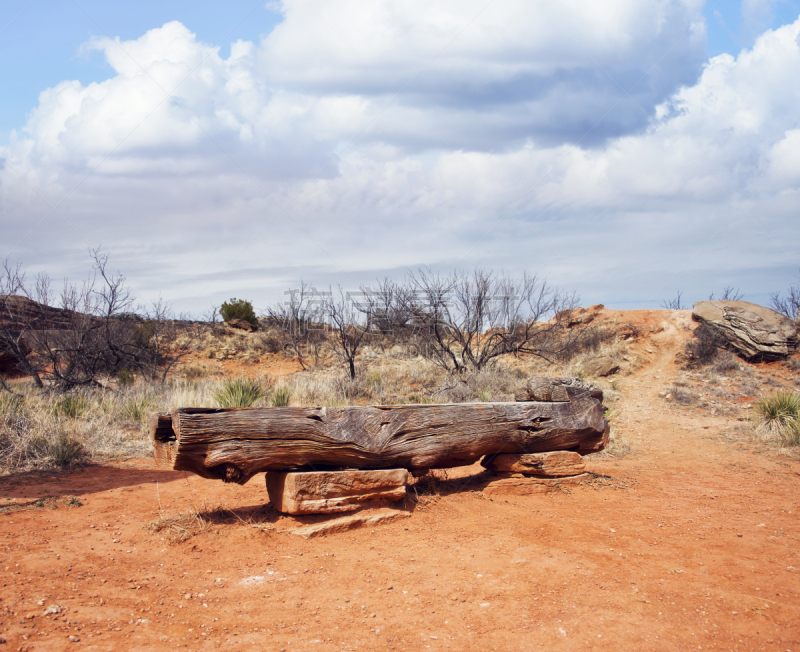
521,485
351,522
553,464
328,492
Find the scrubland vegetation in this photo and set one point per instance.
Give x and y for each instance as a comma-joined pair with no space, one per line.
87,369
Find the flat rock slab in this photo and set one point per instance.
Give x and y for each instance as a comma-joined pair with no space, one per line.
349,523
329,492
600,366
555,464
520,485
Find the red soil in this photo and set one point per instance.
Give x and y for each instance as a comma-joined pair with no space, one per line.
689,543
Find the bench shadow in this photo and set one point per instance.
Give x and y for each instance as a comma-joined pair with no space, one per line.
86,479
420,491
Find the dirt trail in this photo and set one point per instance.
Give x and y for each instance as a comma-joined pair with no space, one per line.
689,543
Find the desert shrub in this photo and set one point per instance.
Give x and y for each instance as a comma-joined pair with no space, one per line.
674,304
59,449
125,378
138,408
71,405
240,392
587,341
433,483
681,395
144,334
703,348
280,397
779,414
373,380
725,362
193,372
238,309
10,405
272,344
791,433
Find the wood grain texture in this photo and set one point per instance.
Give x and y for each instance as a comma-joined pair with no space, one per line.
235,444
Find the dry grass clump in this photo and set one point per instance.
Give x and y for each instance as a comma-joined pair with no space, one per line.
43,430
681,393
176,528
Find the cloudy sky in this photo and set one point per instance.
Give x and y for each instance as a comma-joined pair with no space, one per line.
626,150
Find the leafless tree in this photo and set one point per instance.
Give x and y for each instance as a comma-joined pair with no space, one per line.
17,321
389,306
466,320
301,320
88,331
162,341
350,317
789,305
728,294
673,304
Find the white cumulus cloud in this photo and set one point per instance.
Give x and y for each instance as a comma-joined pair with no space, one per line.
594,144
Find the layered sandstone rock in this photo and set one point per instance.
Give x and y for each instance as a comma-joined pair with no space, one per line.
755,332
554,464
522,485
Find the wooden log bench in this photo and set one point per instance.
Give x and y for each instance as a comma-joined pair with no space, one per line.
233,444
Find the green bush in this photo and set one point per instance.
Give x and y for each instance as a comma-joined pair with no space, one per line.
138,408
125,378
71,405
144,334
240,392
238,309
280,397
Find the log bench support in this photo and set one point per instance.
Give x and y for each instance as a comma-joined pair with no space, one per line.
534,473
329,492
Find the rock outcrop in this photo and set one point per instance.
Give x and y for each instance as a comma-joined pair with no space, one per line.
242,325
753,331
599,366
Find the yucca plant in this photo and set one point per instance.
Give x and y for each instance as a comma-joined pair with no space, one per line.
240,392
71,405
280,397
138,408
779,413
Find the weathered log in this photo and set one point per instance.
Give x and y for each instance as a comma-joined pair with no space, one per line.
235,444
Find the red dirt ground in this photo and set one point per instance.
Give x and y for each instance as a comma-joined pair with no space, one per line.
690,543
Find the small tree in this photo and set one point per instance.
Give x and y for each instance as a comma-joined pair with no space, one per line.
350,321
466,320
789,305
89,333
301,320
728,294
673,304
238,309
